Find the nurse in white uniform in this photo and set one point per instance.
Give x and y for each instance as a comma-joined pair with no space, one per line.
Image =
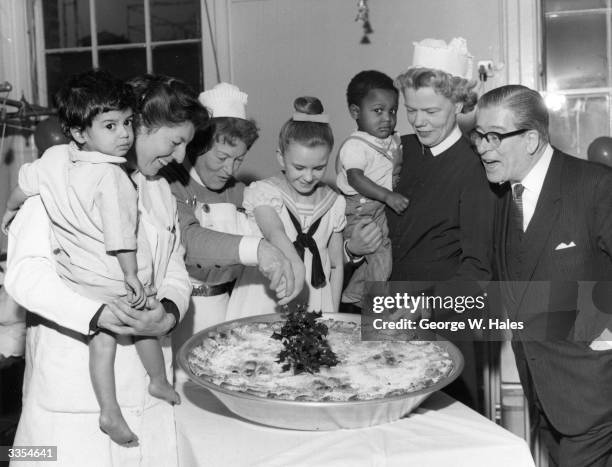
215,232
59,405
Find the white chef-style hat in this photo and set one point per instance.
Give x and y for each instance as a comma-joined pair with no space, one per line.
225,100
453,58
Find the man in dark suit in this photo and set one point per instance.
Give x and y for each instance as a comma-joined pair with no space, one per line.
553,228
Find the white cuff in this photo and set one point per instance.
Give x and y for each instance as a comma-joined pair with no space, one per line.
350,257
247,250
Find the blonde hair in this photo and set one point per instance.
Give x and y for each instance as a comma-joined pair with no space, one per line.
454,88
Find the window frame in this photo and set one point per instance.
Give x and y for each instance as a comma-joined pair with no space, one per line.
604,91
41,51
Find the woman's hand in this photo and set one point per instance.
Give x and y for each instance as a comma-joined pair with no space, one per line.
281,272
120,318
365,239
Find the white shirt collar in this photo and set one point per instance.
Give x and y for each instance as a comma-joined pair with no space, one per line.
93,157
373,139
452,138
534,180
192,171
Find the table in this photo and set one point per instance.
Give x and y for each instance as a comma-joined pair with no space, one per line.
442,432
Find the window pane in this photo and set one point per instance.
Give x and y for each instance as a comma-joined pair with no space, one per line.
135,21
61,66
576,55
125,63
120,22
565,5
182,61
175,19
579,122
66,23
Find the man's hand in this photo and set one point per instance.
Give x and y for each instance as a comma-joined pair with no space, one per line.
397,202
120,318
366,238
280,271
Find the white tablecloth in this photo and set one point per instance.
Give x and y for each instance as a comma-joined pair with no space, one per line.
442,432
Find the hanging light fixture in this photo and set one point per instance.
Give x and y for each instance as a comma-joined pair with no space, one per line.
363,15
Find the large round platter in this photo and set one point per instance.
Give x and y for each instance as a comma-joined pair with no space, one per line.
306,415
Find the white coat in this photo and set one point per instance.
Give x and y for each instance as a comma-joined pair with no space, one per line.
59,405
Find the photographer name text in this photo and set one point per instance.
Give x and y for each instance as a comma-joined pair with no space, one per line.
427,324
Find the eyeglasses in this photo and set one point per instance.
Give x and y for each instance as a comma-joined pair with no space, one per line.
492,137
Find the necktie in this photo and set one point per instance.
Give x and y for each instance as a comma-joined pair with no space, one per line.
305,241
517,198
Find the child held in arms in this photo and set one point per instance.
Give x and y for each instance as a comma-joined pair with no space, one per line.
92,204
368,165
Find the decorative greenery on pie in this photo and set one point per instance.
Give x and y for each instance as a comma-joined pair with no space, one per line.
304,339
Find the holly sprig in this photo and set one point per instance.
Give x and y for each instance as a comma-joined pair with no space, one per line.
305,341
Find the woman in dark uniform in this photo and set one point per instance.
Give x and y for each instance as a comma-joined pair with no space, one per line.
446,232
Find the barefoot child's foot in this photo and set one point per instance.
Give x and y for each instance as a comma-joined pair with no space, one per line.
114,425
162,389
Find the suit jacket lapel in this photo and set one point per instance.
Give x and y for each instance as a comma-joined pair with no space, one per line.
513,291
537,234
541,224
503,215
545,216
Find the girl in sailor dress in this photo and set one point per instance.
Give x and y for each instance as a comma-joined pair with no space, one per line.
300,215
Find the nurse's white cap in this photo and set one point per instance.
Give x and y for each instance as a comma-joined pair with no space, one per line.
453,58
225,100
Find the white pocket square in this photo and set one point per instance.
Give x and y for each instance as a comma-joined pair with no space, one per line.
563,246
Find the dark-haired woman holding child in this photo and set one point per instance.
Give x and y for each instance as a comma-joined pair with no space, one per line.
92,204
299,214
59,404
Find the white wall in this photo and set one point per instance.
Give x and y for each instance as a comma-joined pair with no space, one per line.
281,49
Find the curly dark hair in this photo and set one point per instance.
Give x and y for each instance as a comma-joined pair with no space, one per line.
165,101
362,83
89,94
223,130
